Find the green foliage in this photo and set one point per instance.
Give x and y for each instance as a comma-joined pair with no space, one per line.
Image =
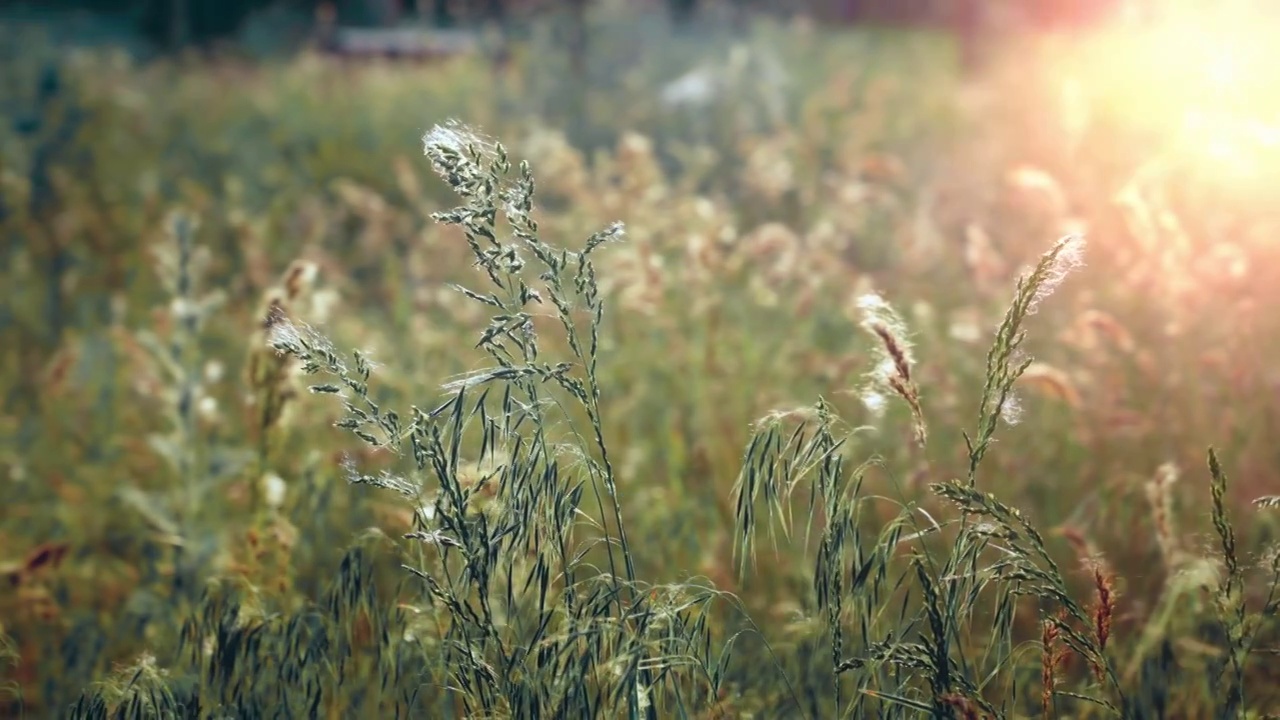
543,484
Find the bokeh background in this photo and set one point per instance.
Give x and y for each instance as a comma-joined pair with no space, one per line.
772,160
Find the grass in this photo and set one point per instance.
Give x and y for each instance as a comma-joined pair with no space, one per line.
706,422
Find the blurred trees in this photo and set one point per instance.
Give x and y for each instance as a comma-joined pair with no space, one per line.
177,23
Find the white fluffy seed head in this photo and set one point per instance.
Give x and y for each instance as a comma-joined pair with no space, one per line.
273,490
1070,257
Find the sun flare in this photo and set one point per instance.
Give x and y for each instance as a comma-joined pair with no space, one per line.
1200,81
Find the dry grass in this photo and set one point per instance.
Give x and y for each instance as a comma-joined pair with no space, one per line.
784,447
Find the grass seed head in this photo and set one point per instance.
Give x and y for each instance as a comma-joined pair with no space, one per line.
891,374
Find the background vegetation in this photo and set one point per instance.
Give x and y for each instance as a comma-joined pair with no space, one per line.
798,361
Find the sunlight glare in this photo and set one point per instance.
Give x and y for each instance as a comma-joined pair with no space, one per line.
1200,80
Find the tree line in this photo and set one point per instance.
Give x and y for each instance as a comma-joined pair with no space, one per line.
175,24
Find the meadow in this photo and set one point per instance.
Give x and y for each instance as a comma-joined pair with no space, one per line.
831,383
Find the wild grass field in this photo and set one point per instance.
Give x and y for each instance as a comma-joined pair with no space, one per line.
834,384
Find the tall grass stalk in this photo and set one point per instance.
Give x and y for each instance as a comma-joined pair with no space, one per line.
531,626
